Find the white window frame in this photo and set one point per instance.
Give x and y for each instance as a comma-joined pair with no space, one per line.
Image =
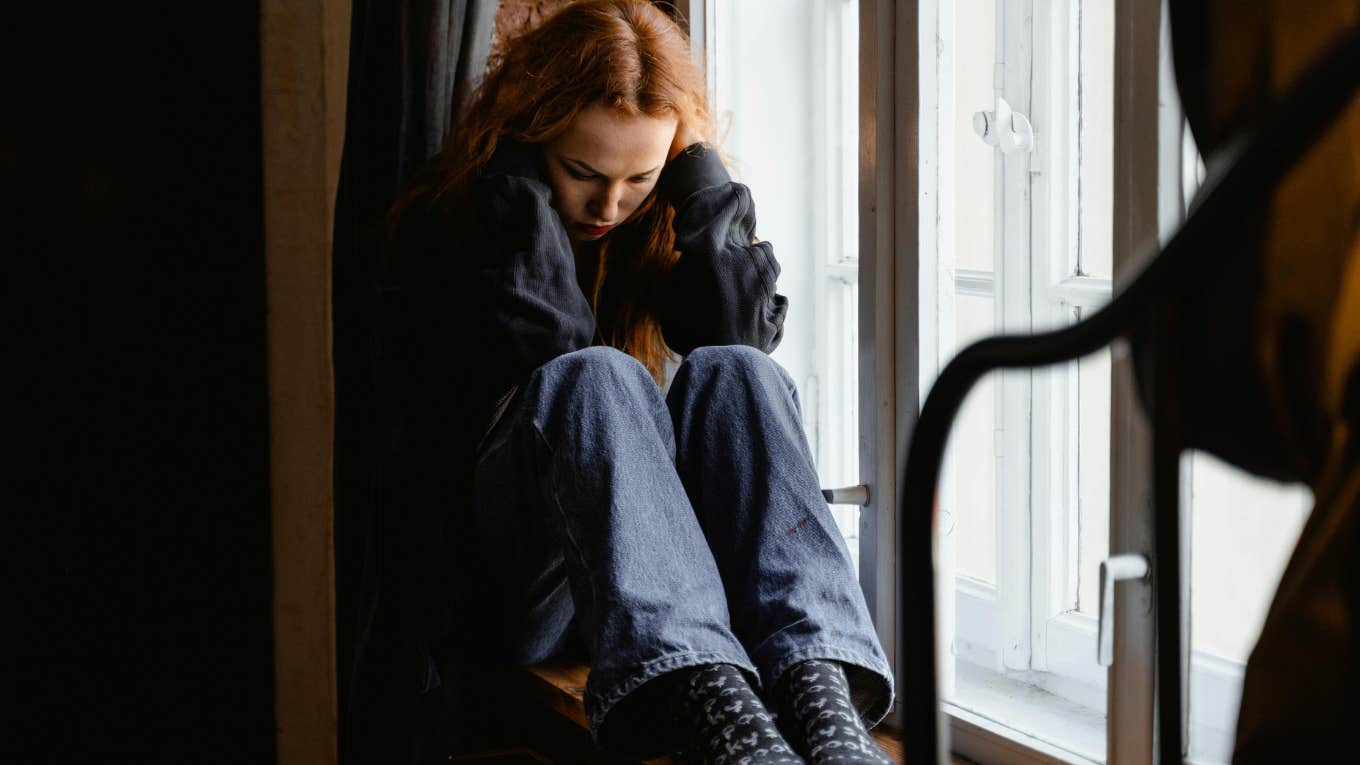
1063,639
1022,625
1013,625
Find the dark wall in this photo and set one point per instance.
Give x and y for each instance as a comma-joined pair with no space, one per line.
134,535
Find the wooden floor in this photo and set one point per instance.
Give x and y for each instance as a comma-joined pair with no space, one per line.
560,686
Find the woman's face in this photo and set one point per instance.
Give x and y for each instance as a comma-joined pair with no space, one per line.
603,167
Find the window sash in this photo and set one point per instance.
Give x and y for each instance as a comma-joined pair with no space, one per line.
1064,639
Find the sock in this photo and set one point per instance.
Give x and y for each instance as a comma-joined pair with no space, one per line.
813,699
729,723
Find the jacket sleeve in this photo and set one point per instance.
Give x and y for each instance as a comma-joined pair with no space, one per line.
722,289
525,270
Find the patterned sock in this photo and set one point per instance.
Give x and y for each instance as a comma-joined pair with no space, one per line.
813,699
730,725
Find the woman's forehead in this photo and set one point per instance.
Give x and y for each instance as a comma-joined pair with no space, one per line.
615,143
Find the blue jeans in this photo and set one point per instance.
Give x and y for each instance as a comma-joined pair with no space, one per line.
669,532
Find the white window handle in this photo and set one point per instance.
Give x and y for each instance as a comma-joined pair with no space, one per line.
1113,569
849,495
1004,128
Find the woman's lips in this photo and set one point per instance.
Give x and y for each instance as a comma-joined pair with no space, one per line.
594,230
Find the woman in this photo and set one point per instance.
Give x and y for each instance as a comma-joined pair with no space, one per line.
577,228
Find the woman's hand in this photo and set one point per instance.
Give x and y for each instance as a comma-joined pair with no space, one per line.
685,136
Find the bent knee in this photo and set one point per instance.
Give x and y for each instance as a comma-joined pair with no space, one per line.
595,359
596,364
734,357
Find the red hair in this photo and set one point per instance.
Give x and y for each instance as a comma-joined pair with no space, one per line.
626,55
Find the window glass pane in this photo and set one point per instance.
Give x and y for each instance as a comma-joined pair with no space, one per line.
1243,530
974,161
970,461
761,80
785,80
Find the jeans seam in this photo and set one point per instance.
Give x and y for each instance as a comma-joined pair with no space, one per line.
777,633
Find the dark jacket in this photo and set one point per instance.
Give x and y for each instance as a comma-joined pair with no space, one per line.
509,268
482,295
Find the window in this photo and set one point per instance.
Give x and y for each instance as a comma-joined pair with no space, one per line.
1027,486
1016,112
1013,231
783,76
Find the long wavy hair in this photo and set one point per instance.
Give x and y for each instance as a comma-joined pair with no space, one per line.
627,55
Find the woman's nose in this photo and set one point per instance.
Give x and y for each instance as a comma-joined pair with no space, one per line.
605,206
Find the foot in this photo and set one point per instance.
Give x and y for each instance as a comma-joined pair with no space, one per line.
813,699
729,723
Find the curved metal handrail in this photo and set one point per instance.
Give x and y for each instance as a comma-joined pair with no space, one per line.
1250,167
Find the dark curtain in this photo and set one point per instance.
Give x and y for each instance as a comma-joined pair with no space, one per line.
411,63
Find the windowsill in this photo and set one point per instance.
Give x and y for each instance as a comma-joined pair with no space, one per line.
559,685
994,719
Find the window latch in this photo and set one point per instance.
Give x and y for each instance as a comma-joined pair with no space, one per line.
1115,568
1004,128
849,495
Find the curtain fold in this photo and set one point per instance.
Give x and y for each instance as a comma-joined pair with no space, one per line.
412,62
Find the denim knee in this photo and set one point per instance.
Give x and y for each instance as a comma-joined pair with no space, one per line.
729,363
742,358
598,368
588,392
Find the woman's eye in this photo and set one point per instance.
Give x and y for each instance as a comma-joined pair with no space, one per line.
579,175
640,179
